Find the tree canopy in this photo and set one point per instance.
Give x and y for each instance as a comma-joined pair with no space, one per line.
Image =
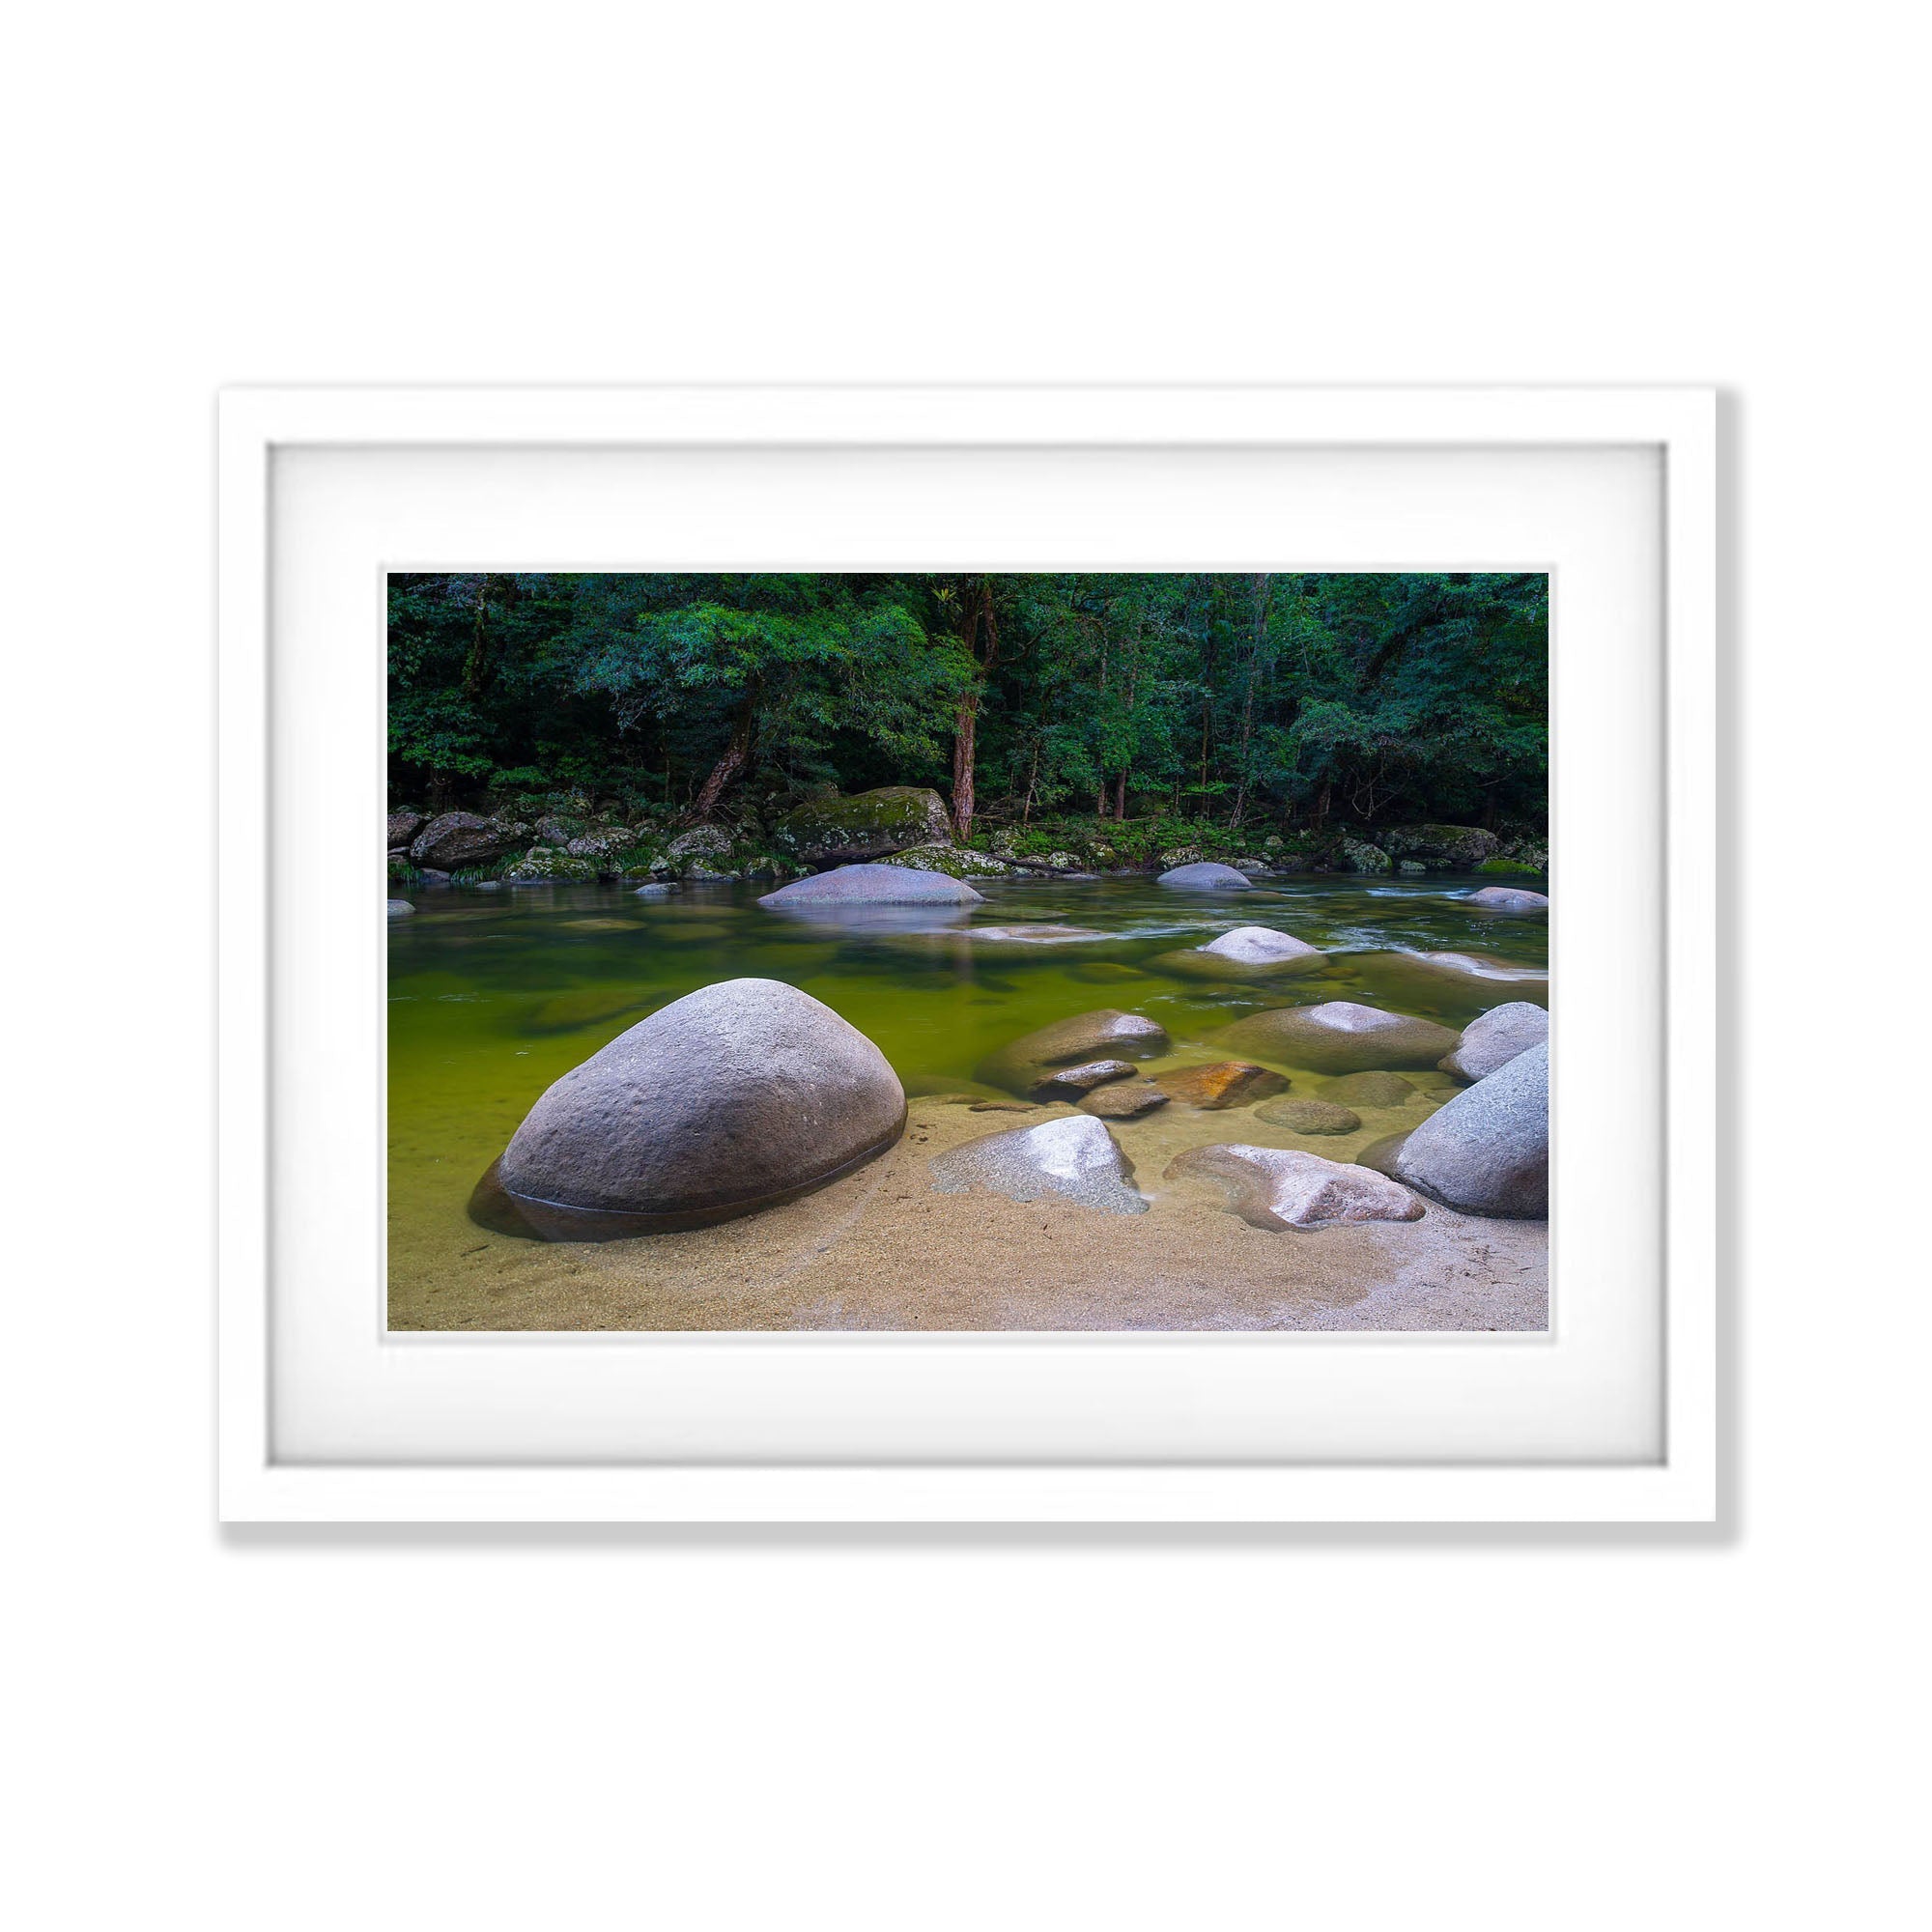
1310,699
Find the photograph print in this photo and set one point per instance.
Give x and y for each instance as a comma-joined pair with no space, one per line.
981,951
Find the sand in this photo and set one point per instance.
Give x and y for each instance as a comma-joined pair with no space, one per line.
881,1249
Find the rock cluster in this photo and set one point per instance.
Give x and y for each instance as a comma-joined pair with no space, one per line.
1309,1117
1105,1034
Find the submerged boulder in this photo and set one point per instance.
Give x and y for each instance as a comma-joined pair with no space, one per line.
1495,1038
459,839
1105,1034
873,885
1368,1090
1282,1187
868,825
1454,979
1225,1083
1124,1100
1508,898
1249,952
1309,1117
1340,1036
1074,1158
1203,876
1488,1150
738,1096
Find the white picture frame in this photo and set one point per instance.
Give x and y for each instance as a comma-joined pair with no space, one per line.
384,1478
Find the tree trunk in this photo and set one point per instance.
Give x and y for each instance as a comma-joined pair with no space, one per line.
1121,797
976,621
965,731
728,766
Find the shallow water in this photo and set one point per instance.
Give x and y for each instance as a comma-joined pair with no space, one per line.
494,994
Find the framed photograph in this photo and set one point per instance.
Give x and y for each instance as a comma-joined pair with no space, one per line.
957,955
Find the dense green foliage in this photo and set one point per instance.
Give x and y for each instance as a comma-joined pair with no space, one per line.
1318,700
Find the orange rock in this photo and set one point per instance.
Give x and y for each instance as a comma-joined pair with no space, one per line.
1227,1083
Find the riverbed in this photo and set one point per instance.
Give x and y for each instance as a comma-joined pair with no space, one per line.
495,993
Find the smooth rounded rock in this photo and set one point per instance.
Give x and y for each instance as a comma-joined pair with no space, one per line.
1487,1151
1205,876
873,885
1340,1036
1309,1117
400,908
1074,1158
1249,952
1282,1187
1508,898
738,1096
1495,1038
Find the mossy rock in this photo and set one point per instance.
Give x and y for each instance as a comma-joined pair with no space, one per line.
954,861
868,825
545,865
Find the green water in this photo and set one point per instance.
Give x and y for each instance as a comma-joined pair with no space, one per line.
494,994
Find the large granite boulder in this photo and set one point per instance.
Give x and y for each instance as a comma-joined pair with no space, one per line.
868,825
455,839
1508,898
1354,855
1072,1158
1488,1150
1495,1038
873,885
1107,1033
1439,848
1248,953
1205,876
738,1096
1340,1036
1282,1187
403,827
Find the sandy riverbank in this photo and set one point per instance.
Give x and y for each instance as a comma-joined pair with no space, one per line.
881,1249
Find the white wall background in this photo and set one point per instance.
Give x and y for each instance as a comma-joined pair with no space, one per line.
601,1729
